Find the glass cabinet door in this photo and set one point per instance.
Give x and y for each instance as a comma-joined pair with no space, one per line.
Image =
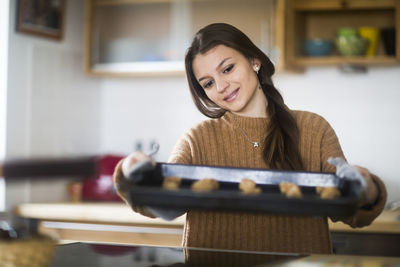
128,37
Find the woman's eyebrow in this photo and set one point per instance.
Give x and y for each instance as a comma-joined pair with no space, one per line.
222,62
219,65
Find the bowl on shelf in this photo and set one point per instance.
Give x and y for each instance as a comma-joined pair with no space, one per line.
317,47
350,43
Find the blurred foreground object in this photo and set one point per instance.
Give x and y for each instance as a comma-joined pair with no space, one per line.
95,171
20,248
49,167
35,251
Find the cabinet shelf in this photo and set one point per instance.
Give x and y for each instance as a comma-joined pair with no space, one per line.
140,68
150,37
342,4
337,60
132,2
313,19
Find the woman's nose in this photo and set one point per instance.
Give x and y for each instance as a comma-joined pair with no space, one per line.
222,84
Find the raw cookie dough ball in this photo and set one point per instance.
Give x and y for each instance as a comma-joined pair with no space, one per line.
329,192
290,190
171,182
204,185
319,189
248,186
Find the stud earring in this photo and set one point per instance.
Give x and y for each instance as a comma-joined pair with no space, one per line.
256,68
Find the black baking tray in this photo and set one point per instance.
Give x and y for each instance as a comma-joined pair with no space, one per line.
147,190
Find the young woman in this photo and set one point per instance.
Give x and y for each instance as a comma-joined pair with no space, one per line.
230,82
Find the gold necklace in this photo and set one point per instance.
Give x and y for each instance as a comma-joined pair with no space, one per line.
255,143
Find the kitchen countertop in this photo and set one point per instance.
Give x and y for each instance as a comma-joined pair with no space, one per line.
102,222
119,213
100,212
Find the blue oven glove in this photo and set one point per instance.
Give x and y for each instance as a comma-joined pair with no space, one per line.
346,171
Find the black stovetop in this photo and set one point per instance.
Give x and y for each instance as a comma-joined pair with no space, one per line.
83,254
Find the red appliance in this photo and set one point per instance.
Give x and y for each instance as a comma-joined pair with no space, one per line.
100,186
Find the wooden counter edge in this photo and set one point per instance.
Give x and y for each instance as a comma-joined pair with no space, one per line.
91,212
387,222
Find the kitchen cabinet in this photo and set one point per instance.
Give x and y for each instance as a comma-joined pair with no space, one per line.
150,37
302,20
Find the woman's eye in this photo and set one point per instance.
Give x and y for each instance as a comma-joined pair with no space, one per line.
228,69
208,84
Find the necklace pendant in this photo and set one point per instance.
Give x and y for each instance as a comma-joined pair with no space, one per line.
255,144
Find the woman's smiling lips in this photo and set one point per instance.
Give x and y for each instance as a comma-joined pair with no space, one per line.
232,96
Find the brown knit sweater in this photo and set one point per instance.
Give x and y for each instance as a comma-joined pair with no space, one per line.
220,142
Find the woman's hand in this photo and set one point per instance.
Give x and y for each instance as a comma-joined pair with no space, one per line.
371,189
134,159
357,173
121,183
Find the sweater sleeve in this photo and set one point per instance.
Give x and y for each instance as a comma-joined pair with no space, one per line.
364,216
330,147
182,152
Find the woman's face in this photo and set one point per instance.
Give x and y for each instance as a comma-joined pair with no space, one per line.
230,81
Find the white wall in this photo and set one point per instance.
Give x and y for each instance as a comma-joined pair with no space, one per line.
363,109
3,91
145,110
53,107
3,74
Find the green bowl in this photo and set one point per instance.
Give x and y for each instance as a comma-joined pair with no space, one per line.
352,45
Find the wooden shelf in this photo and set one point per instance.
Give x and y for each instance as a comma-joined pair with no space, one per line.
132,2
310,5
164,68
337,60
310,19
128,2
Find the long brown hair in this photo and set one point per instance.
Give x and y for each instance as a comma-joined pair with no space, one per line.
282,139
